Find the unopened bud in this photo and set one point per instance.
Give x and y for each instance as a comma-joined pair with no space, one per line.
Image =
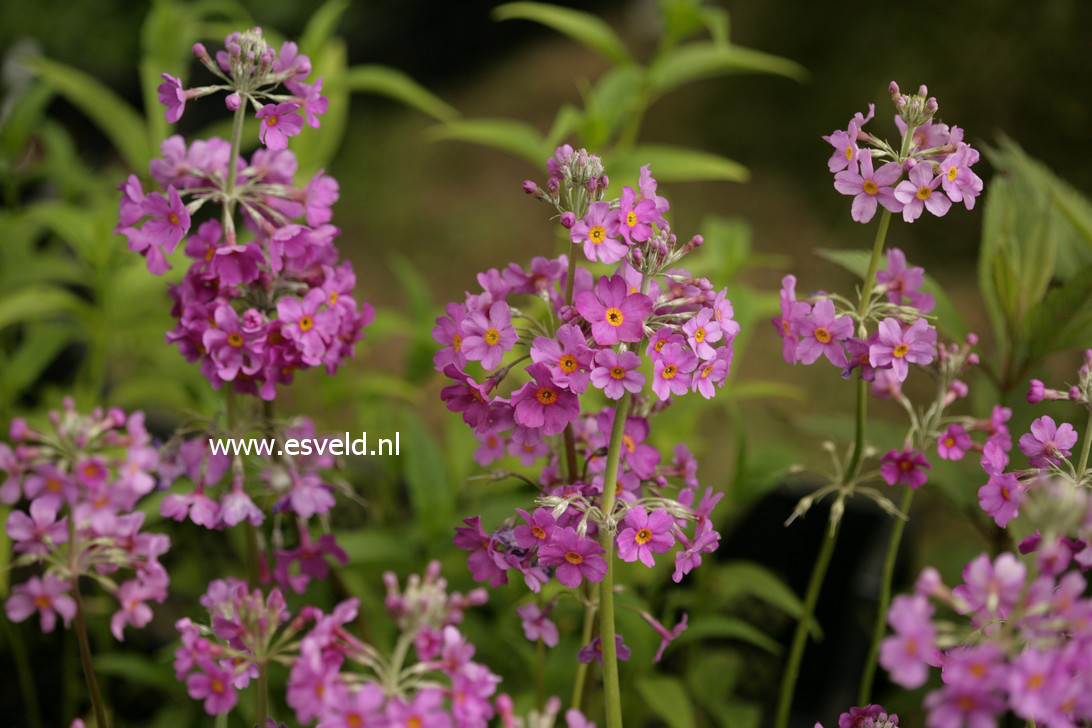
199,51
893,89
233,101
972,339
567,314
530,187
568,219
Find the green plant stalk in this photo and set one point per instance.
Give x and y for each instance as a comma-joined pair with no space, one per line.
612,695
1082,465
581,674
261,695
86,660
803,627
878,630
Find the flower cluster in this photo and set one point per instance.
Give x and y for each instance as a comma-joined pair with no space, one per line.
1026,647
929,169
868,716
76,488
252,312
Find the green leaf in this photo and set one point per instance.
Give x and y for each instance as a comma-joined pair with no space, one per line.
584,28
321,27
115,118
676,164
1063,319
26,112
721,627
430,491
701,60
136,669
315,149
614,99
36,302
739,579
514,137
667,698
567,121
394,84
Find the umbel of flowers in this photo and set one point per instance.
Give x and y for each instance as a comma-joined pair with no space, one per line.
885,332
1022,637
565,365
74,490
265,294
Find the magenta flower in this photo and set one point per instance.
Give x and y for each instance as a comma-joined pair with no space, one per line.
594,650
955,706
598,233
671,371
822,334
645,534
908,653
567,355
308,327
918,193
907,467
701,331
537,531
214,685
537,624
667,636
960,183
712,374
869,188
576,558
279,122
635,217
448,333
48,596
706,541
310,97
868,716
617,373
319,196
954,443
472,538
844,141
1001,497
1048,443
173,96
38,533
134,611
793,314
541,403
231,347
903,282
898,348
614,313
355,708
468,397
486,338
425,710
991,590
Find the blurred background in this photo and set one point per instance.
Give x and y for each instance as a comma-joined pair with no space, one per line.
422,211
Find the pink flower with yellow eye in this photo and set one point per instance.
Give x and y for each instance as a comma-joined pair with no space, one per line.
486,337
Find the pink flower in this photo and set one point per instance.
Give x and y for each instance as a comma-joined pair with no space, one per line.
1001,497
474,539
617,373
598,233
319,195
869,188
38,533
1048,443
173,96
425,710
917,194
645,534
991,590
635,217
134,611
541,403
306,326
706,540
793,314
954,443
614,313
671,371
956,706
311,99
907,654
448,333
213,684
667,636
960,183
567,355
576,558
899,348
487,338
279,122
594,650
903,282
713,373
701,331
231,347
360,707
537,624
47,595
822,334
907,467
537,531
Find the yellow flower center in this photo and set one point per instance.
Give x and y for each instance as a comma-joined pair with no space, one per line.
631,218
217,685
699,335
966,703
949,442
900,351
574,558
272,120
210,253
978,669
457,342
669,371
597,234
42,601
631,446
659,345
953,172
617,373
643,536
538,532
306,323
870,187
906,466
615,317
414,723
354,721
492,336
173,218
923,193
849,153
785,325
822,335
235,340
333,298
706,371
568,363
546,396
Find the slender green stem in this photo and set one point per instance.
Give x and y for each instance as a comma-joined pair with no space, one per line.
803,627
261,695
612,694
233,167
86,661
880,627
1082,465
25,673
580,677
873,265
253,556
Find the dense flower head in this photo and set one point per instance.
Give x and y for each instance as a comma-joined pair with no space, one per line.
867,716
928,169
75,491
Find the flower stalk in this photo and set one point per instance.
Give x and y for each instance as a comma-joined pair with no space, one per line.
86,661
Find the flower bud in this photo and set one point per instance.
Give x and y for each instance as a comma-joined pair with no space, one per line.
1036,392
233,101
18,429
568,219
199,51
567,314
972,339
1075,394
893,89
530,187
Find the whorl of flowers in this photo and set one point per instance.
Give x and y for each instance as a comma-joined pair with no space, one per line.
75,488
551,348
929,169
252,311
868,716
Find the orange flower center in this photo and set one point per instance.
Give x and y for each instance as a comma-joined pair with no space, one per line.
643,536
597,234
617,373
669,371
272,120
615,317
306,323
699,335
538,532
870,187
42,601
457,342
235,340
574,558
659,345
210,253
631,218
333,298
568,363
173,218
217,685
900,351
546,396
631,446
492,336
822,335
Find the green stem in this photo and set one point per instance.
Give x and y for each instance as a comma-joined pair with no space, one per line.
1082,465
581,674
880,627
873,265
25,673
86,661
612,694
261,696
233,169
803,627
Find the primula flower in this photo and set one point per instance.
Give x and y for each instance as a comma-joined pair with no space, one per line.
869,187
486,338
671,371
231,347
907,466
822,334
594,650
899,348
903,282
541,403
868,716
537,624
954,443
701,331
173,96
598,233
793,314
960,183
567,355
908,653
635,217
991,590
713,373
576,558
48,596
617,373
919,193
482,565
38,533
279,122
667,636
645,534
1048,443
615,314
